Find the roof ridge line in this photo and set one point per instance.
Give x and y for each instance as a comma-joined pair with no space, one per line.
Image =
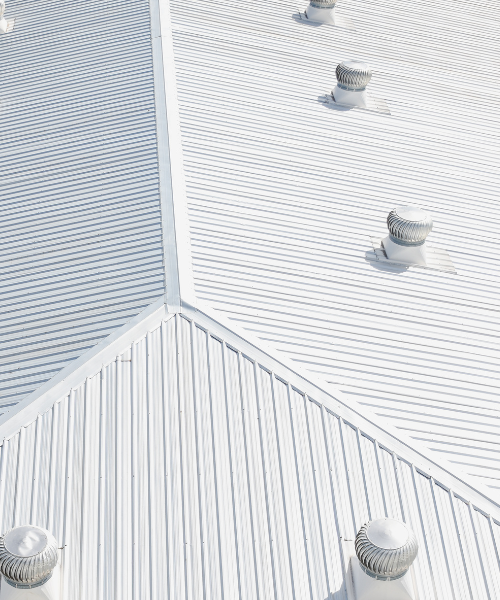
312,385
177,263
42,399
370,424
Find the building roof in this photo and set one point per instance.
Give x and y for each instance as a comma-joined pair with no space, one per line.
81,245
285,192
192,464
173,448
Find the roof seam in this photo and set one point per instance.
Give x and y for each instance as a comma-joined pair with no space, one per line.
175,225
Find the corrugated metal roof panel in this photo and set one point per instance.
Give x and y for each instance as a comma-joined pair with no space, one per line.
284,193
186,468
81,247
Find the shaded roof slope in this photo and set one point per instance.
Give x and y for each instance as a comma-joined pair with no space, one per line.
284,193
192,465
81,243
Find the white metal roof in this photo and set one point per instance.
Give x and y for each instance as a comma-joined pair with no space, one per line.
81,248
191,464
285,191
178,457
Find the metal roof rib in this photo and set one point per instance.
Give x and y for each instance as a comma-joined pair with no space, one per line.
190,464
81,246
284,194
229,443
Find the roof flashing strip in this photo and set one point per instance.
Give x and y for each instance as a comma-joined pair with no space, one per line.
407,450
89,363
175,222
321,392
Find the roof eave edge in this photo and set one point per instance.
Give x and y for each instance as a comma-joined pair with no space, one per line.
334,400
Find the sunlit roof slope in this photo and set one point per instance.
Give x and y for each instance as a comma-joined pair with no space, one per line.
284,193
182,461
81,238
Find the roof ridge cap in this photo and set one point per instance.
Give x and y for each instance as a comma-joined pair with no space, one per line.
88,363
309,384
369,424
177,256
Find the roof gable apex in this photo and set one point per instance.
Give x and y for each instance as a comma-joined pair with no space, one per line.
79,370
217,326
196,458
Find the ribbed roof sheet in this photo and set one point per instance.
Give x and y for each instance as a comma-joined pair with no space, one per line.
186,468
284,193
81,243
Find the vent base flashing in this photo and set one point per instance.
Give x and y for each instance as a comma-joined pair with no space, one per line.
371,104
437,259
304,17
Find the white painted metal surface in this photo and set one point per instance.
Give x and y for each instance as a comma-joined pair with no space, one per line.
81,238
188,469
175,221
321,15
51,590
285,191
368,588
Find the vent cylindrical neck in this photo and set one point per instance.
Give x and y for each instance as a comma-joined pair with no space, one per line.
321,11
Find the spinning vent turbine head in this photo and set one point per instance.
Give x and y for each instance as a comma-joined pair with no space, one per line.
386,548
28,555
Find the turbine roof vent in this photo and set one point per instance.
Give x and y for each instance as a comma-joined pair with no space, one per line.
28,555
322,3
353,75
409,225
386,548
